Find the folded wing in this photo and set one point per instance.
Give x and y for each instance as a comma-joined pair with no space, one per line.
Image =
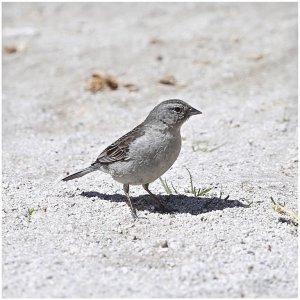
118,150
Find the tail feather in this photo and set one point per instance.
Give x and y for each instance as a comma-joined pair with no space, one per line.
80,173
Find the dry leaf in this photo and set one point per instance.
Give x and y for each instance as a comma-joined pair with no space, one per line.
10,49
281,209
96,83
111,82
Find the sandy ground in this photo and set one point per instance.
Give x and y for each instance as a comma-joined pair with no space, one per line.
235,62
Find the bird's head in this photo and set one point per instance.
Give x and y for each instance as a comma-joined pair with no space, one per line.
173,112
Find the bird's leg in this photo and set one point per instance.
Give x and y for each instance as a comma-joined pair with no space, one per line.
132,209
157,201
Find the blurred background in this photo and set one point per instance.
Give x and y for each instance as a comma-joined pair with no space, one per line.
76,76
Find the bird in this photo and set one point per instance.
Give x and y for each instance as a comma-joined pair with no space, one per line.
146,152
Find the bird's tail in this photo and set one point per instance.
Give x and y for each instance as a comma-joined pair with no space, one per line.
80,173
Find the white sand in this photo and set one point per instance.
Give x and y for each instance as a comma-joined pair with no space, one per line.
235,62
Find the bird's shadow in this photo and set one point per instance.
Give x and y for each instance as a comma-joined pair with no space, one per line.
174,203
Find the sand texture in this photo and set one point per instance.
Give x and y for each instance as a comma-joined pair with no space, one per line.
237,63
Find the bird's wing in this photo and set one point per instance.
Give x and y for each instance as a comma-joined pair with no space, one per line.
118,150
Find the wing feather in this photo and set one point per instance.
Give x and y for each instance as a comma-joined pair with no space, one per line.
118,150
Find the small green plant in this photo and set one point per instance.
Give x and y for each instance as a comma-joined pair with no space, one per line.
281,209
174,188
197,192
166,186
222,193
29,213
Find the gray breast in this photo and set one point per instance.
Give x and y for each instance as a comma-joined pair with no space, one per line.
149,157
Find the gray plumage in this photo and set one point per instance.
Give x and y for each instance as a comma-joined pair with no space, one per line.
146,152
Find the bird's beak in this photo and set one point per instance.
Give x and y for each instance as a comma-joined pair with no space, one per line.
194,111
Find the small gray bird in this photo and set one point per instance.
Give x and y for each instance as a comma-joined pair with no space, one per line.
146,152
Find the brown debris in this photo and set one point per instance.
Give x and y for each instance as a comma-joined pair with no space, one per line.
168,79
95,83
155,40
131,87
111,82
10,49
98,82
164,244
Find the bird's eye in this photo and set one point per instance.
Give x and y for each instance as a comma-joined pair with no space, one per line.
177,109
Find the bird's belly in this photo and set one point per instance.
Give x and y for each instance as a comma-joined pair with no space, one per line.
147,161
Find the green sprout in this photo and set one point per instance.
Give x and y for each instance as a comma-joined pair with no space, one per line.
29,213
197,192
166,186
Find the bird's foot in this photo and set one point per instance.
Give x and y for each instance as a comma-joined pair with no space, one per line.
136,217
134,214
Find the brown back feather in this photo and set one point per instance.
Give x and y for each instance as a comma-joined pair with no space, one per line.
118,150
